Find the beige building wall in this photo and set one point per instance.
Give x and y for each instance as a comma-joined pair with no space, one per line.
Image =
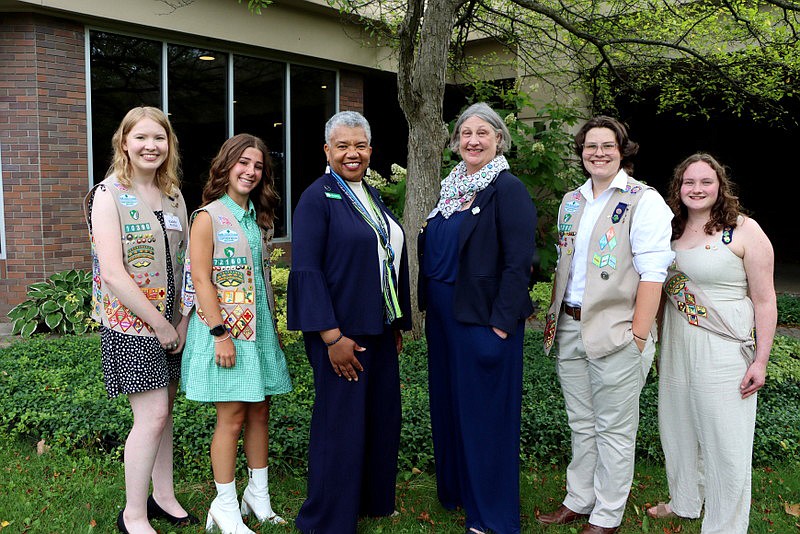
303,27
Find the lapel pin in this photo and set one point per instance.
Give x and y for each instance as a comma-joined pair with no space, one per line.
476,210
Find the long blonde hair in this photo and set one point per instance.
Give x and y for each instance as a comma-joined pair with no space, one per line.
167,175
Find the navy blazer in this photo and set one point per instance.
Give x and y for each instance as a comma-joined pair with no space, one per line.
496,247
335,277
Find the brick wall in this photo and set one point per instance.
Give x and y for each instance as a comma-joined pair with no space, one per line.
351,91
43,149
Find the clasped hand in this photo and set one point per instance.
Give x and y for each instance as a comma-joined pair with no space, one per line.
342,355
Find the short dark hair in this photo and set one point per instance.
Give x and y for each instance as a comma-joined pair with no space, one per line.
627,147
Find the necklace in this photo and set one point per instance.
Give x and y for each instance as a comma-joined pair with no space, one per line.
699,228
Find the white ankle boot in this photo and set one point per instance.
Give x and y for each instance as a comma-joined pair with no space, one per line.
224,511
256,498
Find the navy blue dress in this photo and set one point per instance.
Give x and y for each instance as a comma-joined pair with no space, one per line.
475,388
355,426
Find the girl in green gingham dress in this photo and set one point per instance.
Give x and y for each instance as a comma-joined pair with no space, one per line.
260,368
238,375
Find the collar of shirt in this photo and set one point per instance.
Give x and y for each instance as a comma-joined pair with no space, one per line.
237,210
620,181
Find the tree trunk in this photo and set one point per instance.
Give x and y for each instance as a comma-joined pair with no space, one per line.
424,44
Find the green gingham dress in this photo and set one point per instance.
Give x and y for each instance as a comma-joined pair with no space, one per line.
260,369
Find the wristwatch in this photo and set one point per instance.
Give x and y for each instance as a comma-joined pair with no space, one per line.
217,330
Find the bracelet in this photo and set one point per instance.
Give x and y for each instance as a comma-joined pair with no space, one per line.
223,339
639,338
335,341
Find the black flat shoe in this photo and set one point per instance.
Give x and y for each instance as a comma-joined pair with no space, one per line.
154,511
121,522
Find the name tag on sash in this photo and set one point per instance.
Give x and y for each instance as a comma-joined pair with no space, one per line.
172,222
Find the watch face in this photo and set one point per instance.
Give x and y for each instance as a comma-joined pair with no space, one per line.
217,330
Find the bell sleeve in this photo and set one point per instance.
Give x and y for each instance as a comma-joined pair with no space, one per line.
309,304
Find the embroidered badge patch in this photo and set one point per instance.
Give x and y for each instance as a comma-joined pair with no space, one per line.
550,331
616,216
141,227
230,262
608,240
228,236
128,200
230,278
141,255
727,235
632,189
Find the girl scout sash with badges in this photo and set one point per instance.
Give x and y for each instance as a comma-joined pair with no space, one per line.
699,310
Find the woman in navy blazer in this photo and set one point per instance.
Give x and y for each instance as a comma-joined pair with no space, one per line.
476,250
349,294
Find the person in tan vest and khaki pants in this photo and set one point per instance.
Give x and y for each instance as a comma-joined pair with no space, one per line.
614,250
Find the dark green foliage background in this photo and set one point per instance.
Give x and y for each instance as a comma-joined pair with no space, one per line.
788,309
52,389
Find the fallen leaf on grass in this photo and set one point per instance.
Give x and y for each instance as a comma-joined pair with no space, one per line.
426,517
792,509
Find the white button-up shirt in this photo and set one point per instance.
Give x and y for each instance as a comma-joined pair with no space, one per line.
651,233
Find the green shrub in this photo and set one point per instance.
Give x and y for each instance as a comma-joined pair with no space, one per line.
541,295
788,309
52,389
61,304
280,279
392,189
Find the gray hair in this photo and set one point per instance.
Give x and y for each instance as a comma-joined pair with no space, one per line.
349,119
485,113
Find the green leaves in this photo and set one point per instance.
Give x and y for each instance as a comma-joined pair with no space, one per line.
255,6
61,305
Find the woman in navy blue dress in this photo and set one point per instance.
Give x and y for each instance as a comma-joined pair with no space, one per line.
348,293
476,251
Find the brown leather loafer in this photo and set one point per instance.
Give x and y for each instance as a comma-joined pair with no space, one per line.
594,529
562,516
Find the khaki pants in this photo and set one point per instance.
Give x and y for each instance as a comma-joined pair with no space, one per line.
602,401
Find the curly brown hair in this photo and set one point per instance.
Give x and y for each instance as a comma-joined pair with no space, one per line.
725,210
264,197
627,147
168,173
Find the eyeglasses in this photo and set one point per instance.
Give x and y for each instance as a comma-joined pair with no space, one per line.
591,148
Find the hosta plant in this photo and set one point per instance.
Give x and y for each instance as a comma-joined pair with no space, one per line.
60,304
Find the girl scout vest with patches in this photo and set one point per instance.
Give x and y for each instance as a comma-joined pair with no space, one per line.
232,273
609,297
143,254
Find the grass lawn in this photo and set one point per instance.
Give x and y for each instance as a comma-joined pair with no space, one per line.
81,493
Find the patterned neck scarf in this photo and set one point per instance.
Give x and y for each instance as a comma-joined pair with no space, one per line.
373,216
459,188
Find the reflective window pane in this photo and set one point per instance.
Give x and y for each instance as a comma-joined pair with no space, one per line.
313,102
197,96
125,73
258,109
